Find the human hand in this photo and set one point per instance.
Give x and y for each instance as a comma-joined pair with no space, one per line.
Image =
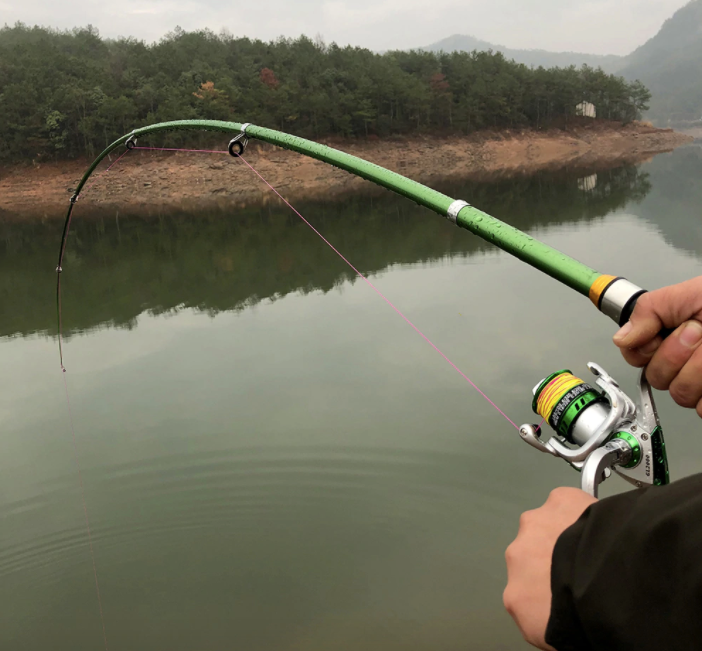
527,596
673,364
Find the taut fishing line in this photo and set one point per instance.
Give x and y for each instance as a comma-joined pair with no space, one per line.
331,246
377,291
597,431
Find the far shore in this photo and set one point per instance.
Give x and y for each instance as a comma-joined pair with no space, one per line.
693,132
157,179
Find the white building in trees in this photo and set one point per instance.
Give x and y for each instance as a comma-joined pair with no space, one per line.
586,109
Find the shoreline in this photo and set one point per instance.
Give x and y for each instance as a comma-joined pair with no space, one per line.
695,133
153,180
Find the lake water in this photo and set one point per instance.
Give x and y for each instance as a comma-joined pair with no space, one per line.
272,459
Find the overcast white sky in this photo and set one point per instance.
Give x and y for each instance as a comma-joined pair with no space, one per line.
595,26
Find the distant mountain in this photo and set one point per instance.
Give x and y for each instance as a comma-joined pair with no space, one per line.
533,58
670,65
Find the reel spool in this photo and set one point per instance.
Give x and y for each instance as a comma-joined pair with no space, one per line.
598,431
562,399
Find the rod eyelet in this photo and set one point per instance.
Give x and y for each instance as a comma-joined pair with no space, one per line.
237,145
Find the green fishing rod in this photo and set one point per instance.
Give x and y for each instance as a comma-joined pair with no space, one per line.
596,431
614,296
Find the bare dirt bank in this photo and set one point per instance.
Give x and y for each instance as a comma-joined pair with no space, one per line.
694,132
158,179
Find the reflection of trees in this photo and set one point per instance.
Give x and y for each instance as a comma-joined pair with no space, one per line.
117,267
676,205
551,199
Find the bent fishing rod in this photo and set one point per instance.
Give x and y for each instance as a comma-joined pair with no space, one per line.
596,431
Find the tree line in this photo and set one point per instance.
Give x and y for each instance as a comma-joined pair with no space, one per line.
70,93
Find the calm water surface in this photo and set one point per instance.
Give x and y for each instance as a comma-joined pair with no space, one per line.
272,459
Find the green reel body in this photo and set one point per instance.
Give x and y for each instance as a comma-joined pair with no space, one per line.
598,431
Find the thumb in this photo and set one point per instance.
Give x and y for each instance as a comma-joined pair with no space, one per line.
668,307
645,323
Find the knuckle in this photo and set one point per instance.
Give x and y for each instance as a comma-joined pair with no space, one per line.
633,358
699,409
525,519
684,395
657,379
649,348
557,494
508,600
511,553
561,495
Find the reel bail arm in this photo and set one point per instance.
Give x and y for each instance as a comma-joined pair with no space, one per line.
600,431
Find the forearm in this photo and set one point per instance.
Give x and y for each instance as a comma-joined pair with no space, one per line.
628,573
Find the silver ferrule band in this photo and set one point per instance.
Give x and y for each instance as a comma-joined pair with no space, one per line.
244,127
454,209
616,297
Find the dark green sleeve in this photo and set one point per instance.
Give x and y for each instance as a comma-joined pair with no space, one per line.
627,576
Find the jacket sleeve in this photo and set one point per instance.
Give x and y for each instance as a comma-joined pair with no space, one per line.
628,574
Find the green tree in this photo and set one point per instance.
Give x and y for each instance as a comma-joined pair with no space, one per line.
68,93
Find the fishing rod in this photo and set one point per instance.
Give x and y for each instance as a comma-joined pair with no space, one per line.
596,431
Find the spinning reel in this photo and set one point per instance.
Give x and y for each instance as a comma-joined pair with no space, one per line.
600,431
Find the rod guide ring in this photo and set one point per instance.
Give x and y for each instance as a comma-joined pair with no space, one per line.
237,145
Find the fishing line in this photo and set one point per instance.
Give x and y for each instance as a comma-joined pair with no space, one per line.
552,393
192,151
85,509
62,251
60,335
561,398
377,291
360,275
612,295
76,458
99,176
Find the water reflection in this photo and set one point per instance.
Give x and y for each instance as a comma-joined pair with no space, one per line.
306,474
119,265
676,205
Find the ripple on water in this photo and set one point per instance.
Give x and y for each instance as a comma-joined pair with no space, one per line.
242,493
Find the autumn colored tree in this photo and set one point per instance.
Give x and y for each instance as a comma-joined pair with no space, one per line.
215,103
268,78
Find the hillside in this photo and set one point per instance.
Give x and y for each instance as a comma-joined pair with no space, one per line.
532,58
669,65
68,94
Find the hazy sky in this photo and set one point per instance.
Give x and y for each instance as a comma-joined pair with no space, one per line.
596,26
